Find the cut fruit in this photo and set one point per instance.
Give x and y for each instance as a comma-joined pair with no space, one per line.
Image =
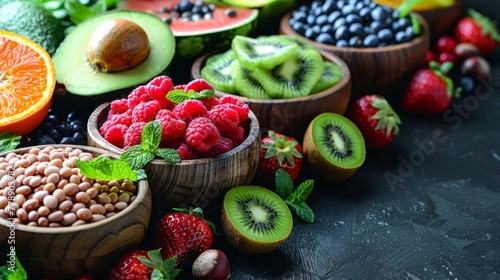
295,77
247,85
27,81
331,76
263,52
80,78
255,220
334,147
218,71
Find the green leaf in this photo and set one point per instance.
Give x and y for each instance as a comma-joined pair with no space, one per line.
406,7
77,12
301,193
98,7
141,174
13,272
9,141
417,29
284,184
169,155
131,153
142,159
151,136
303,211
103,168
177,96
206,93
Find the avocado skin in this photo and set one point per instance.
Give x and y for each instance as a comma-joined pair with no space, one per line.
33,21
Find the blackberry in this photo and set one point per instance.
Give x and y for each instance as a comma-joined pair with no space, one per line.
355,23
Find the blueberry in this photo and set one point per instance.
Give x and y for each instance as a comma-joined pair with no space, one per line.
356,29
196,17
53,119
79,138
299,27
342,43
73,115
378,14
321,20
186,15
184,6
402,37
327,28
304,8
77,128
467,84
315,4
339,22
340,4
55,135
364,13
342,33
355,41
347,9
325,38
311,19
353,18
328,7
230,12
410,32
64,129
333,17
68,140
36,133
359,5
46,126
376,26
208,16
311,33
45,140
299,15
317,11
370,41
79,122
385,35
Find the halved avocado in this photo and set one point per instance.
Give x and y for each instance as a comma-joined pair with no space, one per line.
76,74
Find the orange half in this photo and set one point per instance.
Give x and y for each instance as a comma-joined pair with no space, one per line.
27,81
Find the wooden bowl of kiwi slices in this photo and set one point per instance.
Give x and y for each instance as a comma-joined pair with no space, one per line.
381,56
286,85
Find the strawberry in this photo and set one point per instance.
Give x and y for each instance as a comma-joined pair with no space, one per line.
430,91
183,234
279,151
143,265
376,120
478,30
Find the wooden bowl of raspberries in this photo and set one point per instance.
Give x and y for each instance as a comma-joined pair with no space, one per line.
285,80
61,223
217,140
381,47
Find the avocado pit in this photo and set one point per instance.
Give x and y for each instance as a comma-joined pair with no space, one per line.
117,45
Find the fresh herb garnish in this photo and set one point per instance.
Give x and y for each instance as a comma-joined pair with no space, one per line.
138,156
103,168
295,199
178,95
9,141
13,272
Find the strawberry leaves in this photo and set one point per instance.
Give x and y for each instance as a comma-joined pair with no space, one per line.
295,199
442,70
386,117
487,26
282,148
161,269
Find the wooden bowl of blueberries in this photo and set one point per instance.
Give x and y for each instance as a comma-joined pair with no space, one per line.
284,80
381,47
61,223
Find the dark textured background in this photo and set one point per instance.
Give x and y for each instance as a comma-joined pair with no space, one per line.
438,217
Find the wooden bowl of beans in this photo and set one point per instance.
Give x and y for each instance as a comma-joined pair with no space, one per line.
62,224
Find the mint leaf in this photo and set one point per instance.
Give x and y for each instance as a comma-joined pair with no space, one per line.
303,211
151,136
131,153
103,168
169,155
141,160
141,174
77,12
206,93
13,272
9,141
177,96
301,193
283,183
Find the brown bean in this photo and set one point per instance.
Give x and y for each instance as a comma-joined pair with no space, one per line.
62,183
97,217
42,157
22,214
56,155
50,187
74,179
3,201
82,197
40,168
110,214
55,216
129,186
34,150
71,189
32,224
53,178
50,170
19,199
39,195
92,192
84,214
114,189
31,204
84,186
19,171
56,162
78,223
30,171
68,219
97,209
3,214
55,225
65,172
50,201
77,206
4,181
113,183
119,206
59,194
31,158
43,221
85,154
21,163
33,215
109,207
124,197
66,206
26,180
35,181
24,190
43,211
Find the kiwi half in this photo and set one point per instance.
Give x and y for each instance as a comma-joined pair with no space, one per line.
255,220
334,147
246,84
263,52
218,71
331,76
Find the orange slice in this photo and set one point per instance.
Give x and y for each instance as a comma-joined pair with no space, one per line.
27,81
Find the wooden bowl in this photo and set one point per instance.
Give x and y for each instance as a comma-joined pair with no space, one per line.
442,20
92,249
292,116
194,182
375,70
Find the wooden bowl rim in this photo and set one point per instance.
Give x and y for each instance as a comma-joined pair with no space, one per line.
457,4
253,135
344,81
285,28
142,187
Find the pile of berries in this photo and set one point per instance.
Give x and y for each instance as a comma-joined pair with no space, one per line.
201,125
192,11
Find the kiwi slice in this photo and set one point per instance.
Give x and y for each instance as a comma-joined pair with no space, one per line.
331,76
293,78
263,52
246,85
334,147
255,220
218,71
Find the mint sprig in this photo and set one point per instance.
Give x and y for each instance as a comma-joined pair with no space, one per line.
13,272
295,199
138,156
103,168
178,95
9,141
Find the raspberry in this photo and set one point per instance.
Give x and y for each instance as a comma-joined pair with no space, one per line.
158,88
123,118
114,134
210,102
190,109
133,134
224,117
172,127
240,106
184,150
223,146
105,126
237,135
138,95
119,106
145,112
198,85
179,87
201,134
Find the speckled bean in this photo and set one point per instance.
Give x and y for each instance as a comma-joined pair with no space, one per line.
92,192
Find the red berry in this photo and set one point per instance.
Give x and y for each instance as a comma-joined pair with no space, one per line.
134,134
146,111
429,56
158,88
240,106
115,134
446,57
123,118
201,134
184,150
119,106
172,127
138,95
237,135
223,146
446,44
224,117
190,109
198,85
